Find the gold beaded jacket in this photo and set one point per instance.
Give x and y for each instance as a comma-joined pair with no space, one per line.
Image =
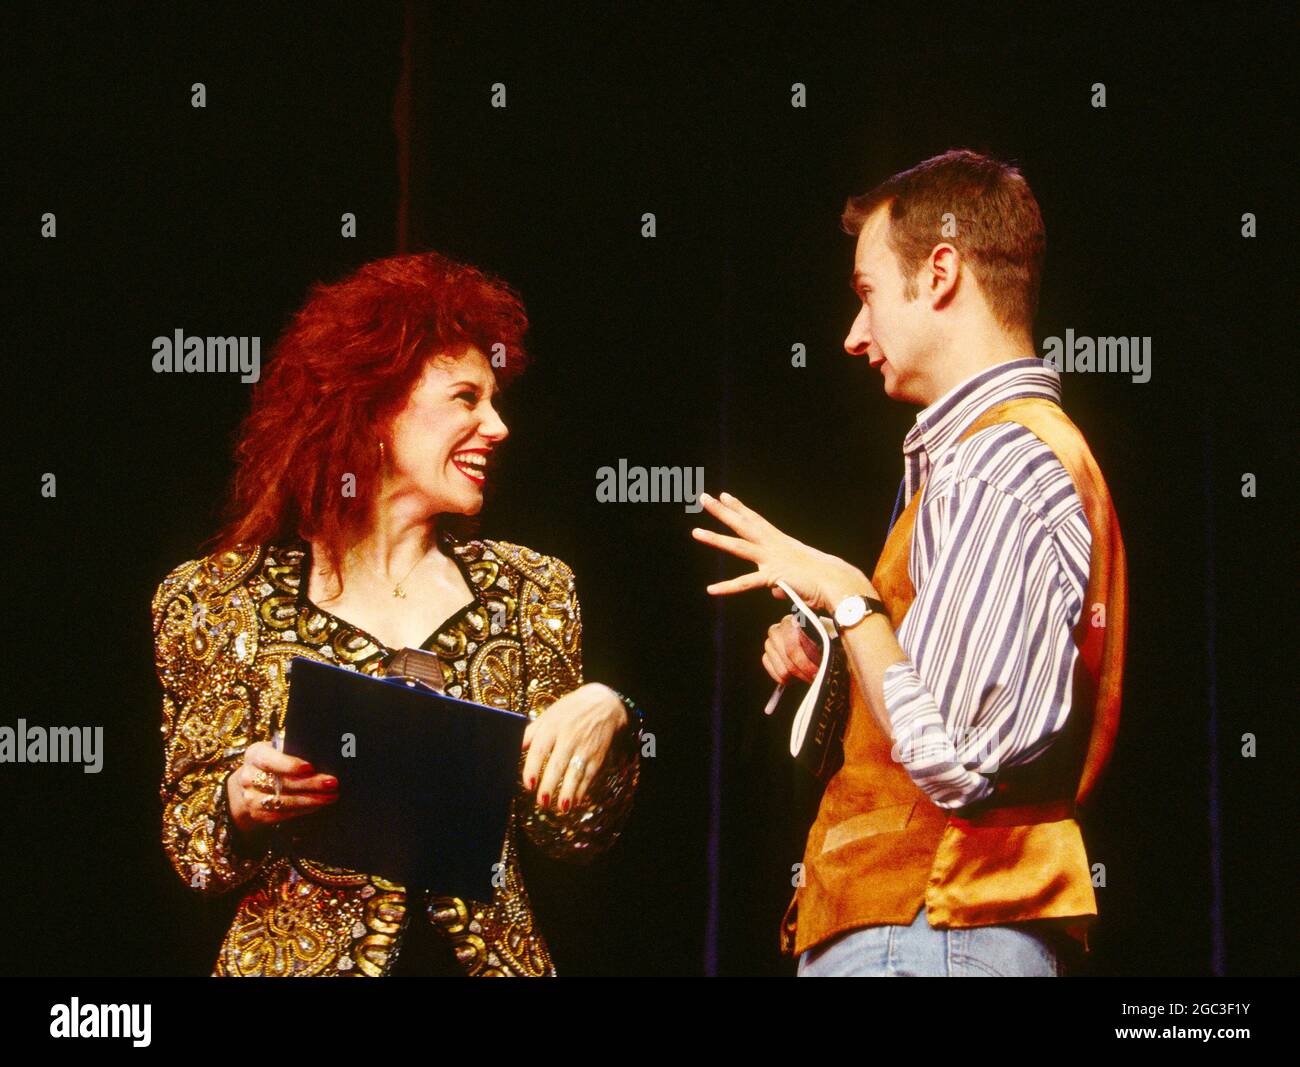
226,627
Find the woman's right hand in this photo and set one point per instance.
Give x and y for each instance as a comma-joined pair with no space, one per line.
251,789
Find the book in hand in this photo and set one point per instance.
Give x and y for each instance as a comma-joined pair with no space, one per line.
820,710
425,780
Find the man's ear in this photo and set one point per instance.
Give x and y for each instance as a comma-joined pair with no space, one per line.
942,271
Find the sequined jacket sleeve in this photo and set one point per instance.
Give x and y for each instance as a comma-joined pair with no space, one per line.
206,722
551,622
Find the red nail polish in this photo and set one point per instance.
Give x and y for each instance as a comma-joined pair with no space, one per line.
545,798
532,782
566,805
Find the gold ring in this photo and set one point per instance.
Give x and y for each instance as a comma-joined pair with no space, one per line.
271,803
266,782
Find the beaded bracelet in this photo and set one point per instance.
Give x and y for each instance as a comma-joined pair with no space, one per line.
635,716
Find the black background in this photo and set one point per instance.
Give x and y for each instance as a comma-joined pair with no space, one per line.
671,351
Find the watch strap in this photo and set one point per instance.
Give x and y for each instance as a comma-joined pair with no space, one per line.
877,606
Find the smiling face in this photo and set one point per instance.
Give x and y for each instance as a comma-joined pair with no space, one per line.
892,331
443,440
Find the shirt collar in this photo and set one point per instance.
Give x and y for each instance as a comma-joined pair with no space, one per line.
940,424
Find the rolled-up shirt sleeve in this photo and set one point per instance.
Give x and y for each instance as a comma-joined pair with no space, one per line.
989,636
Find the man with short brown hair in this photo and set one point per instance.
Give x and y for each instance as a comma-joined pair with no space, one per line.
986,651
985,207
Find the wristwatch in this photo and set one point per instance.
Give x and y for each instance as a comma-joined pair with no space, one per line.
853,609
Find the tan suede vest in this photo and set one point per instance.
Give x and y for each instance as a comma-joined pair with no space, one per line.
880,849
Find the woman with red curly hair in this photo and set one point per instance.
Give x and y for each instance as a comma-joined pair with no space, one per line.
359,469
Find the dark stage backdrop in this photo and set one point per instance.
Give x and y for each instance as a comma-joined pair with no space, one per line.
675,351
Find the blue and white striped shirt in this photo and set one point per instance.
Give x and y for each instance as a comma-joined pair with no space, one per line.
999,561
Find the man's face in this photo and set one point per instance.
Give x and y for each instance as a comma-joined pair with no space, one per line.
890,330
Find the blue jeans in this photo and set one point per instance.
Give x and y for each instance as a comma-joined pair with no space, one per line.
919,950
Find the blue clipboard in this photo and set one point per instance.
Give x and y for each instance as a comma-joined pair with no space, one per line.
425,781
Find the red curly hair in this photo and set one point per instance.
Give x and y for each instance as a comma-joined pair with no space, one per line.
336,379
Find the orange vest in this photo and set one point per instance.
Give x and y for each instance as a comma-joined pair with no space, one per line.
880,849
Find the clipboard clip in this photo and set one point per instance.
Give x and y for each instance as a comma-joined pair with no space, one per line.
417,668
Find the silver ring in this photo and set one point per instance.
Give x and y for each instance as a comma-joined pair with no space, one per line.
577,761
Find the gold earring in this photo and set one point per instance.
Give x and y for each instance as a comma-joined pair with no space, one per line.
381,452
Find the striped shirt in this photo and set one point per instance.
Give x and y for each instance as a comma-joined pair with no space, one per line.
999,560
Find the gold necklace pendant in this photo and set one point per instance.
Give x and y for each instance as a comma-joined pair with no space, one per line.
398,591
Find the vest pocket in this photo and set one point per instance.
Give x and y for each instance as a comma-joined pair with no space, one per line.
994,875
867,824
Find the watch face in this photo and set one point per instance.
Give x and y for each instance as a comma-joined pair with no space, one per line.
852,610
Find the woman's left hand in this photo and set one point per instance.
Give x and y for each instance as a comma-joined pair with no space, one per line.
572,737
